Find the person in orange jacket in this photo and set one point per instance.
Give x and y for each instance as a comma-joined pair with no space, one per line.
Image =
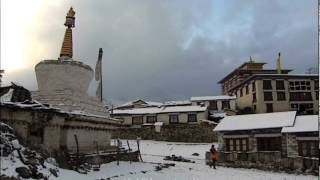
213,156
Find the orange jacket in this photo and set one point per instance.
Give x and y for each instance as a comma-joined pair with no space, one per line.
214,155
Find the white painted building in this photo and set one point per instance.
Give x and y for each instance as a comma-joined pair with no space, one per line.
166,114
218,106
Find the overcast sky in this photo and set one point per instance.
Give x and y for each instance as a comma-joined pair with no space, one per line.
159,50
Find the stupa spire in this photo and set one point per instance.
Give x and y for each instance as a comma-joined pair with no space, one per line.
66,49
279,66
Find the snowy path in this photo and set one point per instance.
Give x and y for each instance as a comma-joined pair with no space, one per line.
153,153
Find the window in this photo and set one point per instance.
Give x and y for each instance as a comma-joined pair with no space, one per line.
279,84
269,107
253,86
317,95
269,144
225,105
267,84
300,96
308,148
151,119
267,96
316,85
213,105
173,118
241,92
299,85
281,96
192,117
237,144
247,89
137,120
254,97
303,108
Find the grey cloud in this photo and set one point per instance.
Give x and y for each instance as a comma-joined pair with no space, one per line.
143,41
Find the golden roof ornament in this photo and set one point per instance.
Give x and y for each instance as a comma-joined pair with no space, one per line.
67,49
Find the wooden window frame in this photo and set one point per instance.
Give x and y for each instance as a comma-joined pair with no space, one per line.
265,84
151,116
192,114
269,143
280,97
173,115
280,85
268,109
254,97
308,151
266,96
300,85
300,96
231,144
253,86
133,120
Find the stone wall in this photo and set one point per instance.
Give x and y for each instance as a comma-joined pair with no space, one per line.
164,117
176,133
292,146
53,130
271,160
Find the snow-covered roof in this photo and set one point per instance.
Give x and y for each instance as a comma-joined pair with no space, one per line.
306,123
210,98
147,103
172,103
219,114
7,96
257,121
155,110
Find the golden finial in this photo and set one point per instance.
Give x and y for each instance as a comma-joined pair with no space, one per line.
67,49
70,19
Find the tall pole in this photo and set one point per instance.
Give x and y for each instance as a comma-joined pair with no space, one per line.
100,59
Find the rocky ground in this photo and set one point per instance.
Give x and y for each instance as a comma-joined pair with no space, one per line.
18,161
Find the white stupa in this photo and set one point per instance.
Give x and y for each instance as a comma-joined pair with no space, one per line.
64,83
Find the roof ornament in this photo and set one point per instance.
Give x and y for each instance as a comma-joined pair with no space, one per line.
279,67
67,49
251,61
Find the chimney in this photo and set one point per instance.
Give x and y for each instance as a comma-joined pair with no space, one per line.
279,68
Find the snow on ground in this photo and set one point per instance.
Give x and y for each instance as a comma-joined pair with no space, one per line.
153,152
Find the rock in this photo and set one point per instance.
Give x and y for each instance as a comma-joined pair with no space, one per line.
170,164
24,172
33,162
158,168
16,144
195,154
4,177
53,172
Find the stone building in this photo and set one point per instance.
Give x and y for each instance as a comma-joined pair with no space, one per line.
61,109
278,139
279,92
40,125
246,70
167,114
139,103
272,90
218,106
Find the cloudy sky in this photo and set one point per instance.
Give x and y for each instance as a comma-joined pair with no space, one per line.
159,50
